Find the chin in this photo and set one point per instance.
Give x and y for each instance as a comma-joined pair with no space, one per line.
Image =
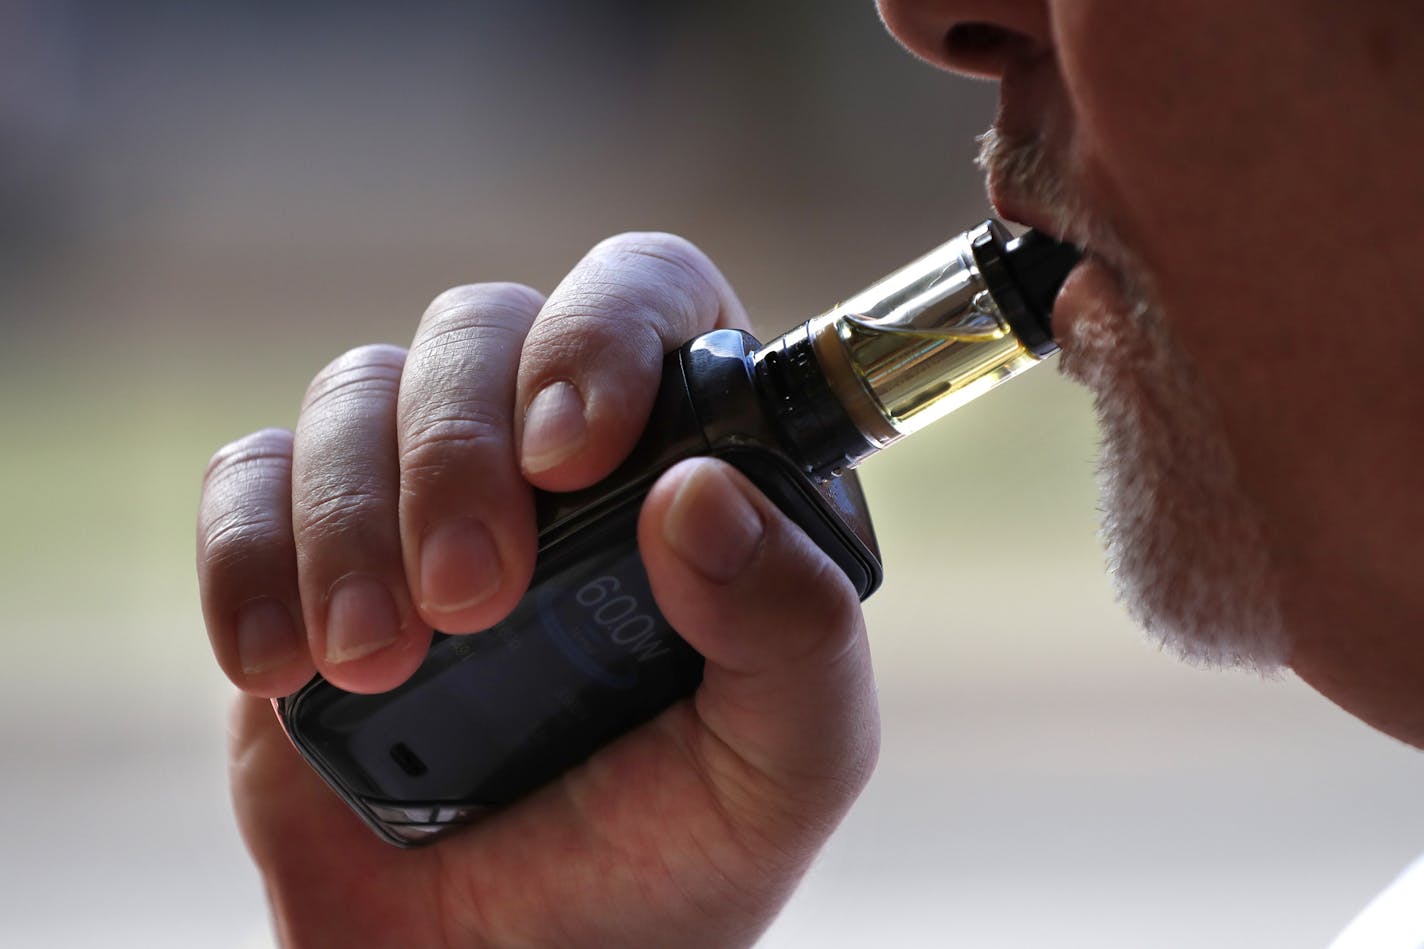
1184,544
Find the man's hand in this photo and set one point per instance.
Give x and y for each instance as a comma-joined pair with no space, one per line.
402,503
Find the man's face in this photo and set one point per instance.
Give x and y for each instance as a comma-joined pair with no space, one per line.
1246,177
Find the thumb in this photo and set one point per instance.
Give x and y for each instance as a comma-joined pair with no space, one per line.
788,685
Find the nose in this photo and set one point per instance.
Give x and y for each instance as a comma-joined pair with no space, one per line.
974,37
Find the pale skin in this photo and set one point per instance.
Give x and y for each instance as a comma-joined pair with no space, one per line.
1197,128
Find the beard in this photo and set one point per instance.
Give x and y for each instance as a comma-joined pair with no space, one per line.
1185,547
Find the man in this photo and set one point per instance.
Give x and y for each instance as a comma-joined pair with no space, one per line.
1245,180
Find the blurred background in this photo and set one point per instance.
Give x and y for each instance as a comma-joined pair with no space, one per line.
201,204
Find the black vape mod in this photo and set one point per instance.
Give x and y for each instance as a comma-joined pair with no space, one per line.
586,655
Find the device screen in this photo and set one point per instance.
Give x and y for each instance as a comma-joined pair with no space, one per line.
584,657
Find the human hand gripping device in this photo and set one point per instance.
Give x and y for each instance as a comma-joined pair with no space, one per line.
585,656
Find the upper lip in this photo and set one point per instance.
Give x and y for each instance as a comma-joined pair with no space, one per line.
1019,209
1030,95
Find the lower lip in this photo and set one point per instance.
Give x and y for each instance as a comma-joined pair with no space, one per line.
1089,285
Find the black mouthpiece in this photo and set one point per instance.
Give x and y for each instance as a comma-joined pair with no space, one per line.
1040,265
1024,275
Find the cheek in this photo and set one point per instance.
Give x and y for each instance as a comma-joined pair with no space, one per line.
1198,151
1174,117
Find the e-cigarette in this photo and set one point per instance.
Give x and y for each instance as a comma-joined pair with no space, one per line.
586,656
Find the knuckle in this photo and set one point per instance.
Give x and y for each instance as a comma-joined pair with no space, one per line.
475,303
455,343
438,442
245,498
675,260
598,319
239,536
635,294
660,246
265,448
664,278
363,372
335,511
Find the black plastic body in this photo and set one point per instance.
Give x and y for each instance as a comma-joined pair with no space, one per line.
1024,275
585,656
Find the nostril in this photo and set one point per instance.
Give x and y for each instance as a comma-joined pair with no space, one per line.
981,39
986,49
977,39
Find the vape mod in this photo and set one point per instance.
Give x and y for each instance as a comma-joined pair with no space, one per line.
586,655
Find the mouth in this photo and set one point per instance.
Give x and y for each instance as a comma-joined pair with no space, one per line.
1018,211
1086,278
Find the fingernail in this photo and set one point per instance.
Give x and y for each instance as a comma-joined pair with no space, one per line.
266,636
459,566
361,618
712,525
554,427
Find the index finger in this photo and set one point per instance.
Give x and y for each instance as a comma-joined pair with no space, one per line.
591,364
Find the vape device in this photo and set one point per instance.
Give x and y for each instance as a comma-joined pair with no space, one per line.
586,655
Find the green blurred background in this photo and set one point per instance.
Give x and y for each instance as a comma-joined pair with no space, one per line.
200,204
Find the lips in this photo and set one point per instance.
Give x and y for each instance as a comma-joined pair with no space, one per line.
1019,212
1089,286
